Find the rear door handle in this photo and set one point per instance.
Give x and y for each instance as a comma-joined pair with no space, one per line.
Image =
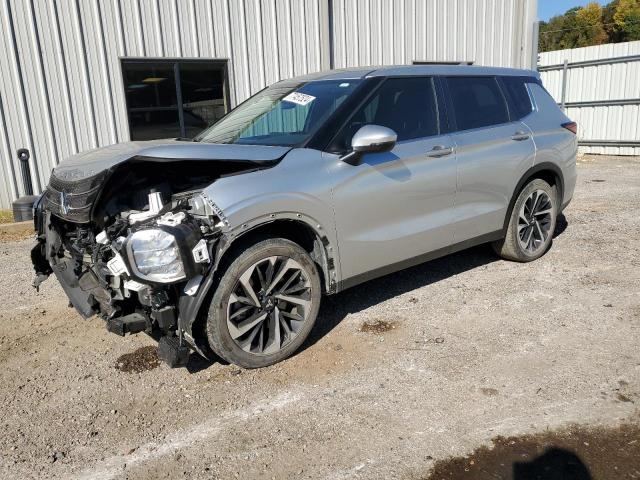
520,135
440,151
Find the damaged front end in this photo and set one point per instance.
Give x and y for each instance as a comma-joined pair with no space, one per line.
133,244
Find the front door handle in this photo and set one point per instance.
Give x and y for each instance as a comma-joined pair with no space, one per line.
440,151
520,135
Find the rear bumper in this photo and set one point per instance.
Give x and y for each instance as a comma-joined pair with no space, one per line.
570,179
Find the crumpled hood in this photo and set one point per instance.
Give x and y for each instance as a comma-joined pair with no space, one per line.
88,164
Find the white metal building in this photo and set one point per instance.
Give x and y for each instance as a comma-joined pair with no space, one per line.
599,87
80,74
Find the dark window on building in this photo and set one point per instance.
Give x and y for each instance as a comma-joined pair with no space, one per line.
518,97
477,102
405,105
168,98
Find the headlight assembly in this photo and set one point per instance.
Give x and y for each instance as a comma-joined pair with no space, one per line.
155,256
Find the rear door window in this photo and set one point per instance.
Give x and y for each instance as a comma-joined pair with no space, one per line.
477,102
515,90
406,105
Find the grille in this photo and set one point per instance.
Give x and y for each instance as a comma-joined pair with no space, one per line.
72,200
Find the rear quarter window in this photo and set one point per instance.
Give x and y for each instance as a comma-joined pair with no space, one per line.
515,90
543,99
477,102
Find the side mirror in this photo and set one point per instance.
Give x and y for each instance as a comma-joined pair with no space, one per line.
370,139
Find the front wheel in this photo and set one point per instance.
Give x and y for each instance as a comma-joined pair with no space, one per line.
265,305
532,223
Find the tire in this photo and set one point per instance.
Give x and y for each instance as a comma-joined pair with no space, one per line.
268,321
529,233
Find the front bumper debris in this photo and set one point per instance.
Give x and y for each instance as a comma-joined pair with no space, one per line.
173,352
100,277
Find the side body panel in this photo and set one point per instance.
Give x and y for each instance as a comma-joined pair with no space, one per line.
554,144
403,204
491,161
297,188
393,206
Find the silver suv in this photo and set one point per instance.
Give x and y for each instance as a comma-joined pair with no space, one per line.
225,243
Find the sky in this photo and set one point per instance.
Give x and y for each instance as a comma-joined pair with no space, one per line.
550,8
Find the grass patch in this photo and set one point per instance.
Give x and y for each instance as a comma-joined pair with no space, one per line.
6,216
13,233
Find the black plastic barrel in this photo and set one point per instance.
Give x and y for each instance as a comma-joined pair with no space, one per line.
23,208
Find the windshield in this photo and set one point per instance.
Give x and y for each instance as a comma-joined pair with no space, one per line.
285,114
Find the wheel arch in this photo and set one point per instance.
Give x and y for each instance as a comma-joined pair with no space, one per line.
547,171
296,227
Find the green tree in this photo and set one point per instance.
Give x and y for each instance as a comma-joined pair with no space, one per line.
573,31
551,34
627,19
608,11
590,27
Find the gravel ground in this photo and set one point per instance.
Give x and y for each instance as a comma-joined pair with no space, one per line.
402,372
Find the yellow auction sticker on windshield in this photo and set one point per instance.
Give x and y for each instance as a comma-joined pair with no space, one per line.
299,98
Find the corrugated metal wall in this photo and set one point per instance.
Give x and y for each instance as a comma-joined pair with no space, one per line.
599,83
61,87
382,32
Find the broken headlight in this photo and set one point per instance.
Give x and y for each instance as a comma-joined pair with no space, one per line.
155,256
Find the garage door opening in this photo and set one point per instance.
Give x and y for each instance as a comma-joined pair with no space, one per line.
173,98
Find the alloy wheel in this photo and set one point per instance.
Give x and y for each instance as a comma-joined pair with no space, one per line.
269,305
534,221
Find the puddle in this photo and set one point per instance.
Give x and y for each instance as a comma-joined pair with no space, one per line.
140,360
377,326
577,453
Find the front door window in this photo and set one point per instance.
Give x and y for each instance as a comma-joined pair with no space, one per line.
406,105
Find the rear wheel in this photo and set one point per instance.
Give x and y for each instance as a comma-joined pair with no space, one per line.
531,225
265,305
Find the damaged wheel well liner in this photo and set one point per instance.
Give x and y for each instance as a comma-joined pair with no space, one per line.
297,231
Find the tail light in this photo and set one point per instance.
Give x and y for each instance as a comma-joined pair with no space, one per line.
571,126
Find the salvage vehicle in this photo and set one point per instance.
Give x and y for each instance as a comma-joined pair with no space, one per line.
225,243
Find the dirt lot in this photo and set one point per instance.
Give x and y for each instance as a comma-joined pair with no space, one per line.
411,372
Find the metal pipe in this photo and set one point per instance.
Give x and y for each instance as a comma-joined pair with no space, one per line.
609,143
23,156
535,45
604,103
564,83
590,63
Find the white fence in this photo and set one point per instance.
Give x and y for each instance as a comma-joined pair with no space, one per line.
599,87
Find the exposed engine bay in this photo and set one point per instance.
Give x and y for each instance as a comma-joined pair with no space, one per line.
133,243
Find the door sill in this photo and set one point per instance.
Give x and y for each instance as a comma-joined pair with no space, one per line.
411,262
